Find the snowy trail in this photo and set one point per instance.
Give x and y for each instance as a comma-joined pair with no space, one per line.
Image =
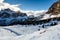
12,31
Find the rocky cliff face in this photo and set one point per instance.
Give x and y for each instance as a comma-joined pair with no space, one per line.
54,9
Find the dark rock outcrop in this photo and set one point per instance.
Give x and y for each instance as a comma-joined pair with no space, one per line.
55,8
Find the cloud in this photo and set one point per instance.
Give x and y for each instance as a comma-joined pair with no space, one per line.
4,5
41,12
35,13
1,1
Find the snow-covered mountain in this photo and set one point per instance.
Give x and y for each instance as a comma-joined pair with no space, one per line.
9,16
12,14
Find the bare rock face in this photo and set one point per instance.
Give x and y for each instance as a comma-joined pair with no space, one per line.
54,9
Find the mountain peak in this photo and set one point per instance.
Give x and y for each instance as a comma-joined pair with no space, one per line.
55,8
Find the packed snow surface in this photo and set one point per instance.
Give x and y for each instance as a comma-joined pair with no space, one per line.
29,33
